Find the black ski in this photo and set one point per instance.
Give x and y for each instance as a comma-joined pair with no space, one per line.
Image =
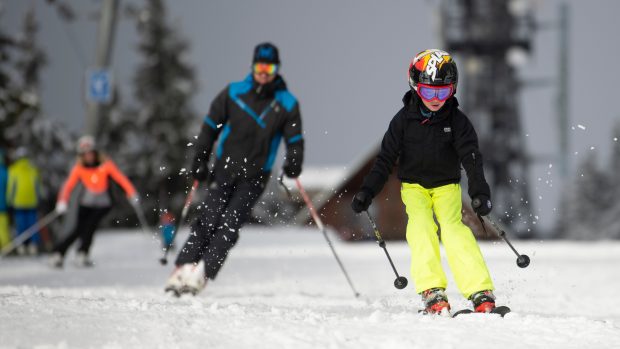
502,310
462,311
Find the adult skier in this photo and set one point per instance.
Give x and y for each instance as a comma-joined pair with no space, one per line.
431,138
93,170
22,195
251,117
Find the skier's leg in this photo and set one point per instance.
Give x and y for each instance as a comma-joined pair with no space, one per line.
237,213
204,225
19,219
422,238
466,262
64,245
5,235
31,219
92,218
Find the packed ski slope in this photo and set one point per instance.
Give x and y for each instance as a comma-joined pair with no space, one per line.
281,288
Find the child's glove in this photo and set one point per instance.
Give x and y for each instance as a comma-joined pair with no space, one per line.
481,205
361,201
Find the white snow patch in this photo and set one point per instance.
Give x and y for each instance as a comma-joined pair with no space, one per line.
281,288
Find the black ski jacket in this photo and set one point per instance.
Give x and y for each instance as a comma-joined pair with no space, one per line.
251,120
429,150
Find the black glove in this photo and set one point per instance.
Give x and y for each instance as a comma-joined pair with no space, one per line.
481,204
361,201
292,169
200,170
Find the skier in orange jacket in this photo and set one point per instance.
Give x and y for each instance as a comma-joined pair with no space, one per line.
93,171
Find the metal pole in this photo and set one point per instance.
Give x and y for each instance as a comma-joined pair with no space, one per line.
562,97
319,224
105,40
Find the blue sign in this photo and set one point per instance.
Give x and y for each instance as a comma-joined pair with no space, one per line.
99,86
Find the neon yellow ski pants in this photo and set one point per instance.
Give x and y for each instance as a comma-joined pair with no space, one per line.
464,257
5,234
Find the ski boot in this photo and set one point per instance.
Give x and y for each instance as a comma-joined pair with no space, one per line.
21,250
195,281
436,302
483,301
83,261
32,250
176,281
56,260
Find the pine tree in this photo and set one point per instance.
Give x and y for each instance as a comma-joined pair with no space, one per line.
150,140
48,143
585,202
7,116
589,206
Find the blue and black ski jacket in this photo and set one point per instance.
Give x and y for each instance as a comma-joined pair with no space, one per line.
251,120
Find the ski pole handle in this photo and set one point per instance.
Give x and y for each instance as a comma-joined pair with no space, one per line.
188,200
281,182
475,203
376,230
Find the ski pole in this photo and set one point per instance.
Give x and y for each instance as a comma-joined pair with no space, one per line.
522,260
140,215
188,201
401,281
321,227
28,233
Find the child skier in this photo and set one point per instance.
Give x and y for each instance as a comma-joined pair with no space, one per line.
92,170
430,137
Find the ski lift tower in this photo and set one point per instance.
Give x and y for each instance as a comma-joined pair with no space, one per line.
492,38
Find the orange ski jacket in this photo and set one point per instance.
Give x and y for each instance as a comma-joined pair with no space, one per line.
95,179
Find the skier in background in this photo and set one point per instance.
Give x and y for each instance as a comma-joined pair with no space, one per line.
250,117
430,137
5,234
22,195
92,170
166,226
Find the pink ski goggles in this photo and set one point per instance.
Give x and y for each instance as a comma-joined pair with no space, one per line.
431,92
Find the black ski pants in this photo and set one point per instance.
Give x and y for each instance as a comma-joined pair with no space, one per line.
87,222
215,231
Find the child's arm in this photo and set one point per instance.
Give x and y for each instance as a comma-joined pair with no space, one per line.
121,179
390,150
466,144
67,188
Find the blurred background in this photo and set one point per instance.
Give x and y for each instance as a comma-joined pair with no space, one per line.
536,79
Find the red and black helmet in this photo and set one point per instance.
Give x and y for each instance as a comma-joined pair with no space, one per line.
433,67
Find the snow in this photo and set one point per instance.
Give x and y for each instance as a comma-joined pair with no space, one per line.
281,288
